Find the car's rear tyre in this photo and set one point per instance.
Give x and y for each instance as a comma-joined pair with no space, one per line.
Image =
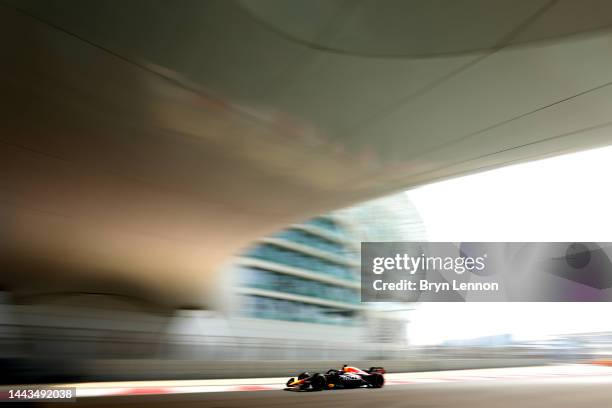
318,382
377,380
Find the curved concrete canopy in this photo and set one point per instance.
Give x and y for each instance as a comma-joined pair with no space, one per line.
424,28
144,142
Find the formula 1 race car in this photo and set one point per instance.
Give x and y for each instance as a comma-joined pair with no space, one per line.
346,377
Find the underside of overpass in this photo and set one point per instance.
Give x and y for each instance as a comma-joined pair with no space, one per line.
143,143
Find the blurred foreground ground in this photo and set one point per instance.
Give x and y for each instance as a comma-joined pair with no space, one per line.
549,386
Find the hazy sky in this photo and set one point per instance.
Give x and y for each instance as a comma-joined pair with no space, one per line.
566,198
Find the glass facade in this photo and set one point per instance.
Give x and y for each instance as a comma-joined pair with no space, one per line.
261,307
277,282
280,282
306,238
326,224
297,259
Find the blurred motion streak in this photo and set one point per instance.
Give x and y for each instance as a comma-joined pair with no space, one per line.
180,181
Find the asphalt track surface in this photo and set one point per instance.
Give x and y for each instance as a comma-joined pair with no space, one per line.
475,389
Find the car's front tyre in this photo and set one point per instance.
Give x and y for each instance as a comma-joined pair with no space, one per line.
318,382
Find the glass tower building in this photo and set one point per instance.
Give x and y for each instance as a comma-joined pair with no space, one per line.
306,273
309,272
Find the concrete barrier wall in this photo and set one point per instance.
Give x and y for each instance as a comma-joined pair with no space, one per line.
173,369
